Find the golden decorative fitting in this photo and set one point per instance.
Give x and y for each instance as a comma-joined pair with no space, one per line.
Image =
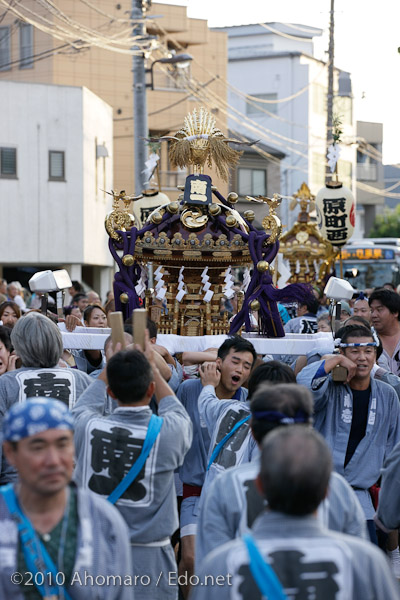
193,218
180,187
231,221
232,197
128,260
124,298
234,249
181,196
173,207
304,198
271,222
249,215
119,219
214,188
214,209
255,305
222,242
272,270
200,142
262,266
302,237
156,218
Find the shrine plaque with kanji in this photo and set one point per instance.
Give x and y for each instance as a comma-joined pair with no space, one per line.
198,190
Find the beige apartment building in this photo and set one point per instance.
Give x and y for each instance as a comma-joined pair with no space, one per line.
109,74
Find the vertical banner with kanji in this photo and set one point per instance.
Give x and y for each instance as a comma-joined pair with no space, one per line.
335,207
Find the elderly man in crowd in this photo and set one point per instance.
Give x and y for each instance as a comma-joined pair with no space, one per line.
288,553
14,290
56,541
38,343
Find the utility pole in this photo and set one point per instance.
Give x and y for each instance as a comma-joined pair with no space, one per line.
329,110
139,97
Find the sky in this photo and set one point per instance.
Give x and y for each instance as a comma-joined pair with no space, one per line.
367,36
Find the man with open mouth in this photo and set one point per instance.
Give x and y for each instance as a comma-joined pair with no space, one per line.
226,418
216,405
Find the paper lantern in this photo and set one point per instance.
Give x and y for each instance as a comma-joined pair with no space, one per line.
336,210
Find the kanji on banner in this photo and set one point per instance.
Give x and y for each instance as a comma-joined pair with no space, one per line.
336,209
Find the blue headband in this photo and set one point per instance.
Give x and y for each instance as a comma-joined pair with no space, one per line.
273,416
25,419
361,296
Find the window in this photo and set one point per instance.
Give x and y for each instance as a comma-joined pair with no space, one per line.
256,109
5,57
252,182
367,169
8,162
25,46
56,166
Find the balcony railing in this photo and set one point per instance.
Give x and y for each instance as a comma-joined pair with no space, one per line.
171,179
366,172
176,80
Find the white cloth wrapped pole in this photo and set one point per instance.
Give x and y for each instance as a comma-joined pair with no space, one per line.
294,343
93,338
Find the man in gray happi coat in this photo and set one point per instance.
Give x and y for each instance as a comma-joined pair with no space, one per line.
360,418
388,514
231,369
287,541
86,539
38,343
223,416
108,446
233,501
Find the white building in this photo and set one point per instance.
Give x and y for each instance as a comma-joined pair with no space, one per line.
281,90
370,175
55,158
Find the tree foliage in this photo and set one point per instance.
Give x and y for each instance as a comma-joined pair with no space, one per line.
387,224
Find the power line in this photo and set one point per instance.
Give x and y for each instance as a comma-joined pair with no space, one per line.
316,30
36,57
6,11
277,32
122,41
260,129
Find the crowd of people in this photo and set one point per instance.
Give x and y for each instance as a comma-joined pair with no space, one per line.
137,474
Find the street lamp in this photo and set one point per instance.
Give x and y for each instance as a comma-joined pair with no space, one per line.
182,60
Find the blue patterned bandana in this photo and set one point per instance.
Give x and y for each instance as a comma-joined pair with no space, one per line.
25,419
